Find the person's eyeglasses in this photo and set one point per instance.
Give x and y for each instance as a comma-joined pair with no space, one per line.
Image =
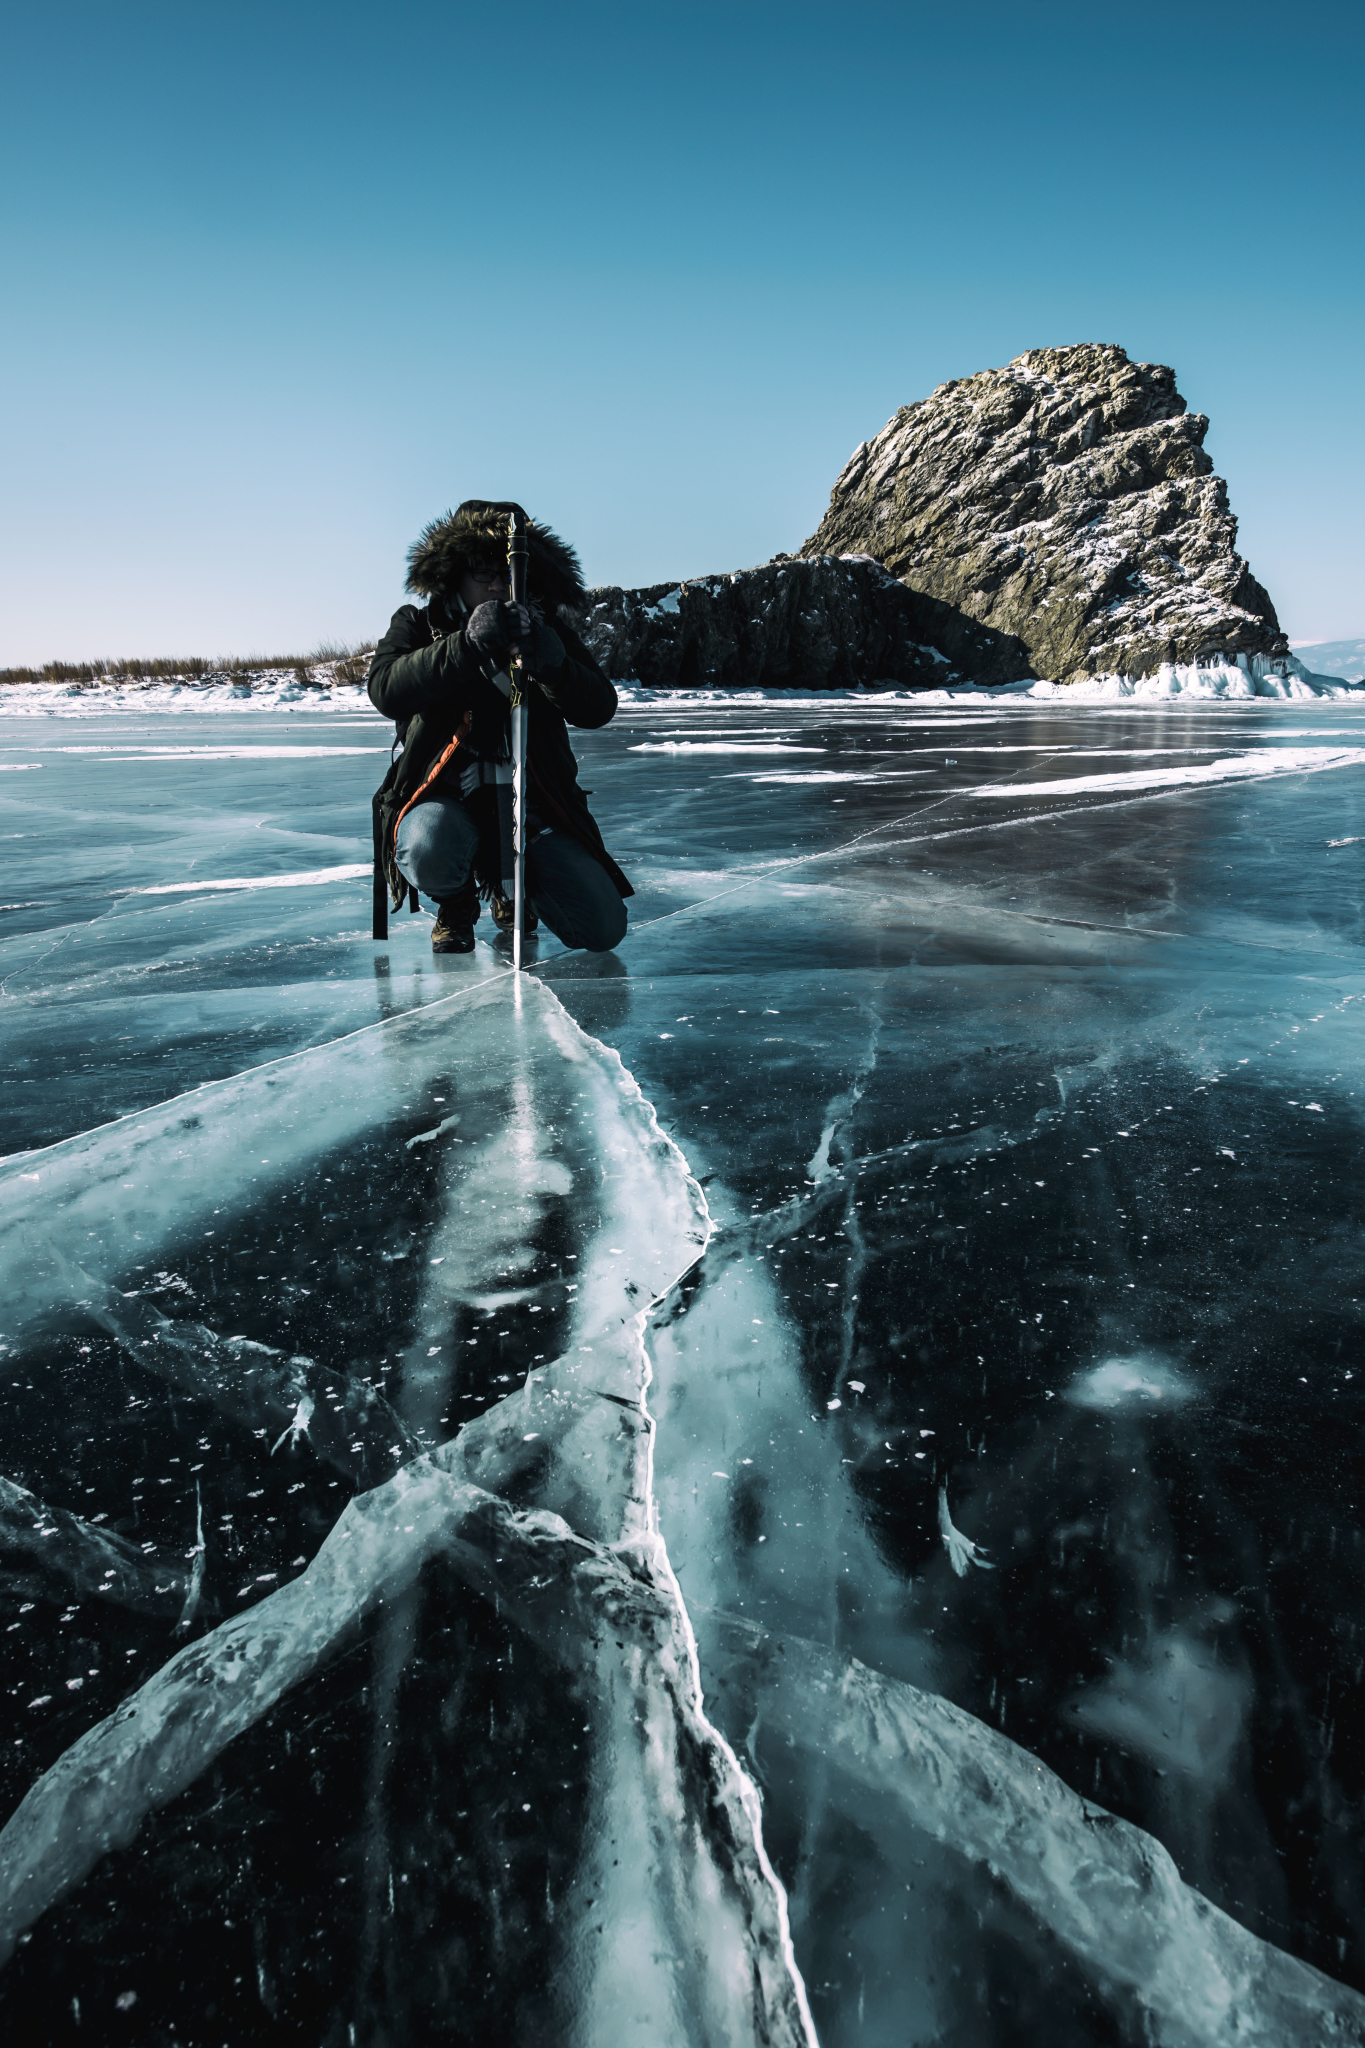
497,572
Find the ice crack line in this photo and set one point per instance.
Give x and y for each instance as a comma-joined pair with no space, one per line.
595,1585
660,1564
765,870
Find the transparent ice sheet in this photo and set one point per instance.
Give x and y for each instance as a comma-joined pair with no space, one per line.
996,1450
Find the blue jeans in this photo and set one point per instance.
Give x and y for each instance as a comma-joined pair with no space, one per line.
569,891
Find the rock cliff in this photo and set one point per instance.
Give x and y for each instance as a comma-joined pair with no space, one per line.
815,625
1058,518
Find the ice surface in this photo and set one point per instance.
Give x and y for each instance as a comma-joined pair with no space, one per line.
798,1481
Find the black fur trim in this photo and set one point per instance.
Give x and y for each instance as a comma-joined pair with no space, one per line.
477,530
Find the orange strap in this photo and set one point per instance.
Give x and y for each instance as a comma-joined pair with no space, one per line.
461,735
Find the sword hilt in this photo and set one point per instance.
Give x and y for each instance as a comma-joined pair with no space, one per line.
518,557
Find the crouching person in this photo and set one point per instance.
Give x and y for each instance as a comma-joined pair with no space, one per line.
444,814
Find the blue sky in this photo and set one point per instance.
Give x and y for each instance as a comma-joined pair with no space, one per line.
284,281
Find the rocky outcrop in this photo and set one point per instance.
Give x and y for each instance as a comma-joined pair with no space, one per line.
1059,518
1053,520
792,624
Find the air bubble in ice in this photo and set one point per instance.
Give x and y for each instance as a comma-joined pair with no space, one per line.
1129,1383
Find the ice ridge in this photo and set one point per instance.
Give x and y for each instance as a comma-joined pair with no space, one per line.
674,1865
1183,1973
673,1869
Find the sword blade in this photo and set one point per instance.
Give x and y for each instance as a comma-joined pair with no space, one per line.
519,832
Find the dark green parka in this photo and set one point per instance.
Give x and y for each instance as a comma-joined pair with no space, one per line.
432,684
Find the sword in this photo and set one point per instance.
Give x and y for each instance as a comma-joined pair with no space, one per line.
516,563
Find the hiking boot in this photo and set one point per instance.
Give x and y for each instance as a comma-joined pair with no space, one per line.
504,916
453,931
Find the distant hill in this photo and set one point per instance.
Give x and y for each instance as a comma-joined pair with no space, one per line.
1342,658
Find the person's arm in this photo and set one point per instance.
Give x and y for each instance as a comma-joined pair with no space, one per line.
576,686
411,672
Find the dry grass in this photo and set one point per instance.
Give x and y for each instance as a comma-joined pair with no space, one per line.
347,664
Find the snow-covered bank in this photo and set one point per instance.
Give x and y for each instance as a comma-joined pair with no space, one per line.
260,690
1246,681
1240,683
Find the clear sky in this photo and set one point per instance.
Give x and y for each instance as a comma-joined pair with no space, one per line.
284,281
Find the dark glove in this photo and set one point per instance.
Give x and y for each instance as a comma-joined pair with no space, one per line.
491,629
547,649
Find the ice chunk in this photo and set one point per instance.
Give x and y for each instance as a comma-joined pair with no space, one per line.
298,1424
1182,1973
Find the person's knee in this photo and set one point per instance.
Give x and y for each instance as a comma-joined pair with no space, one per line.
592,922
435,848
574,895
606,928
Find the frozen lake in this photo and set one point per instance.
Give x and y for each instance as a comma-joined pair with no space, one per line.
743,1491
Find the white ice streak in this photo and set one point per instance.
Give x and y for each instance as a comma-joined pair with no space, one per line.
49,1550
962,1552
722,747
447,1123
877,775
134,751
303,878
198,1556
1265,761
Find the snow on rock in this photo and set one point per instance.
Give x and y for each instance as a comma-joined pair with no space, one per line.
1060,518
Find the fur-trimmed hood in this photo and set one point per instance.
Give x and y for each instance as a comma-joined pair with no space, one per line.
476,531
